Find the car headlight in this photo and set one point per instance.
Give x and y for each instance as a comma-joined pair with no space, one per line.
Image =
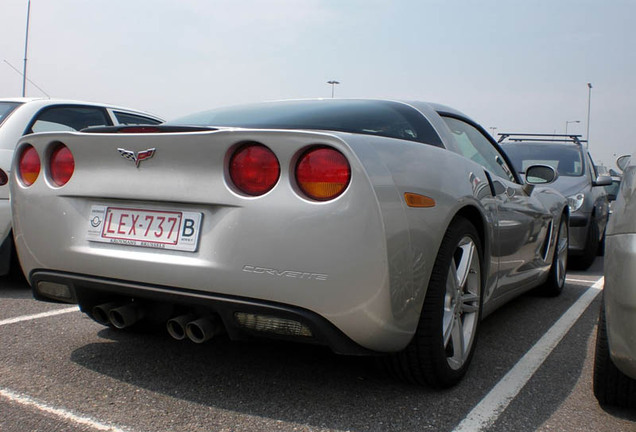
575,202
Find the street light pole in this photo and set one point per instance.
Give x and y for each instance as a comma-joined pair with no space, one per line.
26,46
589,102
492,130
333,86
567,123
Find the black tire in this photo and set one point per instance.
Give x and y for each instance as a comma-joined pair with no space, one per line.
583,262
431,358
556,279
611,386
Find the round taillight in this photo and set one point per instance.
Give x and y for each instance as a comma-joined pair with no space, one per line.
61,165
254,169
28,165
323,173
4,178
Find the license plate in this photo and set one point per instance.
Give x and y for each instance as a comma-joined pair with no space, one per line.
157,229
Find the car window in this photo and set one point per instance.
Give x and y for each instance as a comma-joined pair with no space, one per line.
566,159
475,146
125,118
68,118
46,126
369,117
613,188
6,108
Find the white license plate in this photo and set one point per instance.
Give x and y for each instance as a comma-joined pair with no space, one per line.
160,229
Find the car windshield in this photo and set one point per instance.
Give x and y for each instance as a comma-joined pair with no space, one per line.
383,118
7,108
566,159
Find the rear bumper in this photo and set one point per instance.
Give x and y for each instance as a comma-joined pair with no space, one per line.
620,300
167,302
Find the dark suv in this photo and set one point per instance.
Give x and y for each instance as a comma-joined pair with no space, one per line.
578,181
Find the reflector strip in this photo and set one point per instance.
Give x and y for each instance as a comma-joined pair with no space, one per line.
416,200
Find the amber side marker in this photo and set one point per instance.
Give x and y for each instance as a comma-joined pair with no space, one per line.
416,200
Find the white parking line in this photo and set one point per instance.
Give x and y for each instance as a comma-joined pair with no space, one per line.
494,403
60,413
585,281
40,315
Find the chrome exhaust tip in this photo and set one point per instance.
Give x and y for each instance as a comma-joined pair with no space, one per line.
203,329
177,326
125,316
100,312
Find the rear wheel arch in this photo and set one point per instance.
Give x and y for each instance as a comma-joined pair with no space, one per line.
475,217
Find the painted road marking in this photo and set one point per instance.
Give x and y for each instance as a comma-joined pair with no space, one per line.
57,412
38,316
494,403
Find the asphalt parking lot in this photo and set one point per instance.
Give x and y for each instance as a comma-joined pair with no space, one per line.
60,371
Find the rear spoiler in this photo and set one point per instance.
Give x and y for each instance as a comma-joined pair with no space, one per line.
132,129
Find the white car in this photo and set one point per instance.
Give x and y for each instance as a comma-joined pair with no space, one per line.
23,116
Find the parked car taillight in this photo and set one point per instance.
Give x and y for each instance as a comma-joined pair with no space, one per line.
254,169
61,165
4,178
323,173
28,165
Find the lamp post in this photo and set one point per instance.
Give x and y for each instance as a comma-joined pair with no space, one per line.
589,102
492,130
567,123
333,86
26,46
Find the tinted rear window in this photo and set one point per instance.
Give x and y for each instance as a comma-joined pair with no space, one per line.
383,118
566,159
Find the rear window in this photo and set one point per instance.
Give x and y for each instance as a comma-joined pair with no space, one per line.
566,159
382,118
6,108
125,118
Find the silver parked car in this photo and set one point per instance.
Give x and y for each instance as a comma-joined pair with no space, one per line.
23,116
578,181
369,226
615,359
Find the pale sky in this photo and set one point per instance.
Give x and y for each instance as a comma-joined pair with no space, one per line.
517,65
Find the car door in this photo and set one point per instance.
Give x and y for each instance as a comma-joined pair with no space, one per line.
523,224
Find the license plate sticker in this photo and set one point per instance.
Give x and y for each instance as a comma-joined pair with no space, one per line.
158,229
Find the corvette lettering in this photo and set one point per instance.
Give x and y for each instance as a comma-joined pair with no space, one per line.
136,157
285,273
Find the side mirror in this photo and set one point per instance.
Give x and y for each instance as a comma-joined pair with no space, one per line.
622,162
602,180
539,175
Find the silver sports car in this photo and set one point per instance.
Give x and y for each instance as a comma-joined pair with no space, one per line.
370,226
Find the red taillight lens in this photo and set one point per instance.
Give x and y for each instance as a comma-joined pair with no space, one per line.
4,178
254,169
323,173
61,165
29,165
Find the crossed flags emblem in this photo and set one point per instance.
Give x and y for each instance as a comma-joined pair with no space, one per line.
136,157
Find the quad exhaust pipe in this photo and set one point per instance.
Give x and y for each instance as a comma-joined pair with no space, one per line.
118,315
198,330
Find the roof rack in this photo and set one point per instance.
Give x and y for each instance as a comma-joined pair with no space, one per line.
525,137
